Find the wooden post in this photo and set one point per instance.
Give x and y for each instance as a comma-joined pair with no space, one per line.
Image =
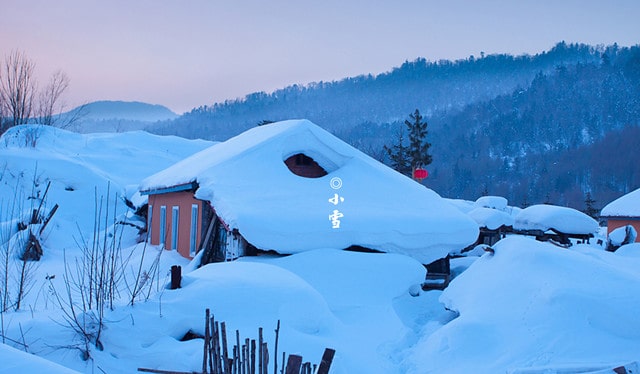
327,359
225,350
218,353
293,364
234,363
206,342
253,357
34,217
284,355
176,276
239,346
306,368
214,362
265,358
275,353
260,360
244,359
248,356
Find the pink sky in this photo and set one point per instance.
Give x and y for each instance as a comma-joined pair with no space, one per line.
187,53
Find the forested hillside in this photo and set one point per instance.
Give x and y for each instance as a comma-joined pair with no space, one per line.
498,124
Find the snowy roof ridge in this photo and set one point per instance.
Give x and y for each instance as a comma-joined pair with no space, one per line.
625,206
188,170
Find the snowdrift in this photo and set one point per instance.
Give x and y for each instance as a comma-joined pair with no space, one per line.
535,305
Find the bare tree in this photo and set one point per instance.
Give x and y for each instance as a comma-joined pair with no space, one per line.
50,99
18,88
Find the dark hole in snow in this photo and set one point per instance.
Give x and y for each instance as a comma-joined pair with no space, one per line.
69,188
359,248
304,166
190,335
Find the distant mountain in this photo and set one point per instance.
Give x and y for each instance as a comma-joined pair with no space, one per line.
118,116
126,110
498,124
432,87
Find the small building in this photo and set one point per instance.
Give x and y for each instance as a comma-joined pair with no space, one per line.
623,211
290,187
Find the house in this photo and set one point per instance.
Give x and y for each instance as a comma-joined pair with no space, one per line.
622,212
290,187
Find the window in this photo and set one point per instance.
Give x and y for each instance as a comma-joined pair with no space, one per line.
163,225
194,230
149,222
175,221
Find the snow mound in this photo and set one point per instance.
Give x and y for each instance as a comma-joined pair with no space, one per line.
15,361
580,308
630,250
465,206
491,218
626,233
390,275
561,219
493,202
625,206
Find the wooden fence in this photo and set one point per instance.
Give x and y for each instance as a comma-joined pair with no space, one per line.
247,356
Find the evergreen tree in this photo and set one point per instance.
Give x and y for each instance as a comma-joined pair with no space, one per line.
418,146
399,156
590,209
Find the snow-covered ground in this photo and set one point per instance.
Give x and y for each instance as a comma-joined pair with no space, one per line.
529,307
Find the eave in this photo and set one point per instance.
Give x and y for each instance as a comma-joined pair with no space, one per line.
625,218
191,186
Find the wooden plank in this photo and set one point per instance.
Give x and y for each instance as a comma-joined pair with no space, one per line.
49,216
293,364
327,359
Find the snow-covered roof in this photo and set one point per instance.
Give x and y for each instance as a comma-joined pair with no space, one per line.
624,206
493,202
562,219
247,182
490,218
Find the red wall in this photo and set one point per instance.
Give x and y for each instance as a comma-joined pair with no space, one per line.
614,223
184,200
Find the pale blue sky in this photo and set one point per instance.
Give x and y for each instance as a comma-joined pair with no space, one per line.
187,53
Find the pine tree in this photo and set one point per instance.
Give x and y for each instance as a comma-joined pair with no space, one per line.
590,209
418,145
399,156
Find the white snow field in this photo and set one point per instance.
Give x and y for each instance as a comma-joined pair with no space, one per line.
530,307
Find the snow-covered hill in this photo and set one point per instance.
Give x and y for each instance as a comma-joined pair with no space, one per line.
529,308
126,110
116,116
